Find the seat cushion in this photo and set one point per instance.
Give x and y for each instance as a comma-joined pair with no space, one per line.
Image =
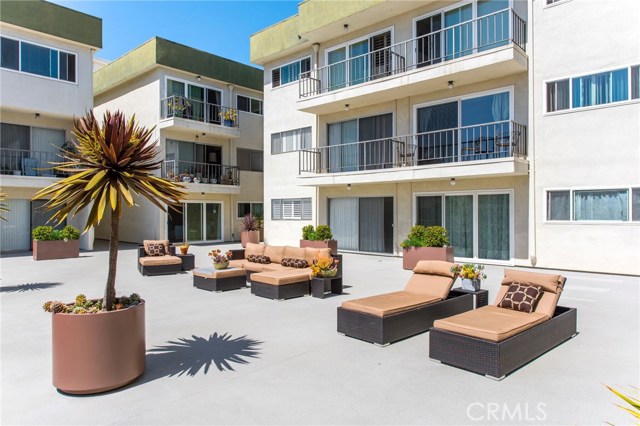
386,304
283,277
490,323
219,273
238,263
159,260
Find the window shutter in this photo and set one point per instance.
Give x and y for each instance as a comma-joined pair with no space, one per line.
305,65
275,77
306,208
276,209
296,209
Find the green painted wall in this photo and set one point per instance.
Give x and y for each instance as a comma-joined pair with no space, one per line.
316,14
52,19
279,37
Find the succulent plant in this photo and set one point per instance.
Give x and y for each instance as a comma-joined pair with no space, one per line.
81,299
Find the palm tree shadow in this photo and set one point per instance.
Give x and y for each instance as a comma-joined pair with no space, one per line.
188,356
22,288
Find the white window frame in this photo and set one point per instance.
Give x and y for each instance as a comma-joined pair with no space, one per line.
292,201
570,77
184,217
250,99
507,191
290,130
251,203
19,71
572,221
357,119
287,64
186,85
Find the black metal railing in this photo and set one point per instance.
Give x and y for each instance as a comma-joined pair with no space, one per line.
192,109
193,172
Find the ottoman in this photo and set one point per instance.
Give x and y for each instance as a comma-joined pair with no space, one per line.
279,285
219,279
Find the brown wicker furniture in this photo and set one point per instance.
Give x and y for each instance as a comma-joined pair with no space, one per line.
217,280
496,341
280,285
158,265
481,297
188,261
320,286
390,317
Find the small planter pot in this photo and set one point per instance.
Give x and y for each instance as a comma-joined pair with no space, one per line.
411,256
328,274
59,249
228,123
472,285
95,353
249,237
221,265
184,250
332,244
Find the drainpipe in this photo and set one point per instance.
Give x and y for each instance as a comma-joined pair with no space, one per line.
533,258
316,50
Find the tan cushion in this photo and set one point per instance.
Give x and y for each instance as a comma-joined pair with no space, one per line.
547,303
237,263
386,304
549,282
311,254
490,323
434,285
219,273
294,253
255,249
147,243
275,253
159,260
255,267
434,267
283,277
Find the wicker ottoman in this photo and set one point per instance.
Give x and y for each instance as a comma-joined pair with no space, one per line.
279,285
219,279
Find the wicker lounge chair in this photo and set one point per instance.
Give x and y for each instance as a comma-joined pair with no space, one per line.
494,340
154,263
390,317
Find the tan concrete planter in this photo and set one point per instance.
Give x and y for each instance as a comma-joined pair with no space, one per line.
332,244
249,237
59,249
95,353
411,256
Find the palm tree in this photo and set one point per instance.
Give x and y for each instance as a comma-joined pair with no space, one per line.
3,207
109,162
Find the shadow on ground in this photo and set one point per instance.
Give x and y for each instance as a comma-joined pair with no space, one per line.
21,288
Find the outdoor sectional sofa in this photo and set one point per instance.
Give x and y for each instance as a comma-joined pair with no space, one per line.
150,263
389,317
495,341
273,280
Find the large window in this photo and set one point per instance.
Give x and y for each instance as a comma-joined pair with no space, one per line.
362,224
244,208
594,89
250,160
291,209
192,102
620,205
291,140
290,72
29,150
36,59
247,104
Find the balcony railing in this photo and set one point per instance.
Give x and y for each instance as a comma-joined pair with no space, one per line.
188,171
503,139
192,109
487,32
29,163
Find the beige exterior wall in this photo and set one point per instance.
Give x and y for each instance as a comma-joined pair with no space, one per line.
592,148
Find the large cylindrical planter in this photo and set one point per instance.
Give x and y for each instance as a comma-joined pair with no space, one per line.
249,237
94,353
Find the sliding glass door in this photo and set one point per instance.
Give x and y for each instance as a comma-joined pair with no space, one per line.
195,223
459,31
362,224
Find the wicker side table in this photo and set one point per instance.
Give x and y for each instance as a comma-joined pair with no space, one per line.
188,261
320,286
480,297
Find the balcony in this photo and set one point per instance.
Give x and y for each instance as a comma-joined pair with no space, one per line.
488,47
203,177
494,149
189,115
16,164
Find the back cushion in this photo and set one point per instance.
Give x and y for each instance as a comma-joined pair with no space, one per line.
433,285
294,253
253,249
549,282
434,267
312,254
151,247
275,253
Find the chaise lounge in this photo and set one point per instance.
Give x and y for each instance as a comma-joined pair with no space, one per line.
523,323
157,257
389,317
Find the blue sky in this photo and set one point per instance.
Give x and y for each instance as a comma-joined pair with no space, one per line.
219,27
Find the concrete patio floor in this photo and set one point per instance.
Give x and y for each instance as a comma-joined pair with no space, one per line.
234,358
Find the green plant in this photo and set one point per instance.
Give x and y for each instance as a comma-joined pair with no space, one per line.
249,223
323,233
42,233
634,402
56,235
82,305
308,233
70,233
426,236
3,207
469,271
112,159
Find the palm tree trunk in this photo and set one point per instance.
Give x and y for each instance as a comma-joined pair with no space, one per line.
110,291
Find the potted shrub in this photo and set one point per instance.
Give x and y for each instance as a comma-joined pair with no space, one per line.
470,274
249,232
426,243
99,344
49,243
320,237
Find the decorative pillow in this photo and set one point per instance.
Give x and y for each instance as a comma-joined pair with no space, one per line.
265,260
155,249
521,297
252,258
294,263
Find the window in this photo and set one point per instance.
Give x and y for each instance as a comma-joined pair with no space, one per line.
290,72
256,209
35,59
291,140
291,209
594,205
248,104
595,89
250,160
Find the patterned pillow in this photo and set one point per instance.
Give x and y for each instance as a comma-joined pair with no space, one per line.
252,258
521,297
259,258
155,249
294,263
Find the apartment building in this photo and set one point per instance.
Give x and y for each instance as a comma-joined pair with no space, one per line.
385,114
46,54
207,113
